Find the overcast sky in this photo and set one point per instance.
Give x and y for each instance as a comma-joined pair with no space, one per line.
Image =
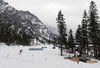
47,10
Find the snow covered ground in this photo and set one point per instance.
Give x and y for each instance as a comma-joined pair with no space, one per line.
46,58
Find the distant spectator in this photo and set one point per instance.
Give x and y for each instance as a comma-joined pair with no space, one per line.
78,62
20,51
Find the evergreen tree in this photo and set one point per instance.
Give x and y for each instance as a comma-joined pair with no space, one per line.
1,31
84,32
61,29
7,33
98,43
71,42
78,35
93,25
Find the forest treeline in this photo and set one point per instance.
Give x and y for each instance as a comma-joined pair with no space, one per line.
10,35
87,34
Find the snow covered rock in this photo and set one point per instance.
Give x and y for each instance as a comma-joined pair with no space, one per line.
24,21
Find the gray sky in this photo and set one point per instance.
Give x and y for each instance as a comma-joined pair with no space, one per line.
47,10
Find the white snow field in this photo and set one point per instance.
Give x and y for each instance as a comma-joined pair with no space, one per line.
46,58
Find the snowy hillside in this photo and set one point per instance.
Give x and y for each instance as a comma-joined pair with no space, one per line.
24,21
46,58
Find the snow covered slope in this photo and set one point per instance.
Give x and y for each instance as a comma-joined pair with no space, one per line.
24,21
46,58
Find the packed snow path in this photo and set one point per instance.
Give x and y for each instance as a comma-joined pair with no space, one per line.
46,58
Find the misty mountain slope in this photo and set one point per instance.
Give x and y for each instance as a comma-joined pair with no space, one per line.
24,21
54,29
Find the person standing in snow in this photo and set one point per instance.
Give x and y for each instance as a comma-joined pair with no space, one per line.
78,61
20,51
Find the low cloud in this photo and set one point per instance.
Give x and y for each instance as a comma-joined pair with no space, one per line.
47,10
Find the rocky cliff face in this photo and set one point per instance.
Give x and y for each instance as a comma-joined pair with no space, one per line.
24,21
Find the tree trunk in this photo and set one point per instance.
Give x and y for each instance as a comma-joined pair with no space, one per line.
61,51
